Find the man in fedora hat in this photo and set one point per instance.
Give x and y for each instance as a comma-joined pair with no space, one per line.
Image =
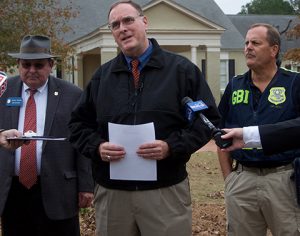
43,184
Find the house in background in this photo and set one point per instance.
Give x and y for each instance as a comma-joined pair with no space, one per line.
196,29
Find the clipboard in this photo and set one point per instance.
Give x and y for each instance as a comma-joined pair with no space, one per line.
36,138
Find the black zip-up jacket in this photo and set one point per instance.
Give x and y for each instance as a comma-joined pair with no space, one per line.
111,97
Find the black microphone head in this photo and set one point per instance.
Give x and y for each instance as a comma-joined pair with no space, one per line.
186,100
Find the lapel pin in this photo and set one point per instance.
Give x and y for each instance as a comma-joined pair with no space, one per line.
55,93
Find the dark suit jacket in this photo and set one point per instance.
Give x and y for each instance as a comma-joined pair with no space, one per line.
64,172
281,136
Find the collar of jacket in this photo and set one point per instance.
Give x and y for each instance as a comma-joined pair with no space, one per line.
156,59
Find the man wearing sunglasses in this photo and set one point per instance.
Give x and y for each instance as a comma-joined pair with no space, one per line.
44,183
118,93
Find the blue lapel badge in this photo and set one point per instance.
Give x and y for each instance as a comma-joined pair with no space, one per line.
14,102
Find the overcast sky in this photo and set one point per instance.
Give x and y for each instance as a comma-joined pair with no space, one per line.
231,6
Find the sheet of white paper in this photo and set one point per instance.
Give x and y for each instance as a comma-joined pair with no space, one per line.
132,167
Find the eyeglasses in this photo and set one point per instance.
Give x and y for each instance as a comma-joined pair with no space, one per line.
127,20
37,65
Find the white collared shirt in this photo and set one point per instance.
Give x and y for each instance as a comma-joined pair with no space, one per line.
251,137
40,97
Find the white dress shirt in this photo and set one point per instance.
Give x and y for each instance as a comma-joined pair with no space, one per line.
251,137
40,98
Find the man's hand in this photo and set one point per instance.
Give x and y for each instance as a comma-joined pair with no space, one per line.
157,150
111,152
85,199
237,139
10,144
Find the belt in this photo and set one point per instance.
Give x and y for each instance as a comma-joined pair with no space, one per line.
265,171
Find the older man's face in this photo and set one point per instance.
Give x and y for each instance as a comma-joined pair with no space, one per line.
34,73
258,51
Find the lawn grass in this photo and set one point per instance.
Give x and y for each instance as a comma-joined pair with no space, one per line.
207,185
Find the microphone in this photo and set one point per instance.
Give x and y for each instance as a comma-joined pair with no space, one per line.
194,108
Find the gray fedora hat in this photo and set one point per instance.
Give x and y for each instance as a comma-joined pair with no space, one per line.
34,47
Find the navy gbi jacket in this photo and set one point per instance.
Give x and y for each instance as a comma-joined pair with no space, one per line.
279,102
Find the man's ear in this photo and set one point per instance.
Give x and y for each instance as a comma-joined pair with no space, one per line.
51,62
275,50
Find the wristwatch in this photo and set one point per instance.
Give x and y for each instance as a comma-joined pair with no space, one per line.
1,130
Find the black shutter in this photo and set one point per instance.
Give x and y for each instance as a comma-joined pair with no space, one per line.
231,69
203,68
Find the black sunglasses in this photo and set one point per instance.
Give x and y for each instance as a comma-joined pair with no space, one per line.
37,65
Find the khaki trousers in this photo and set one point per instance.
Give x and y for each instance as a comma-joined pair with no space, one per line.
160,212
257,199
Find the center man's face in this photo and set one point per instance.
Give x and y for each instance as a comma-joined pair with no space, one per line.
129,29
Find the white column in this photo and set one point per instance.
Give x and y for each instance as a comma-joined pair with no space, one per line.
194,54
78,70
213,71
67,71
108,53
